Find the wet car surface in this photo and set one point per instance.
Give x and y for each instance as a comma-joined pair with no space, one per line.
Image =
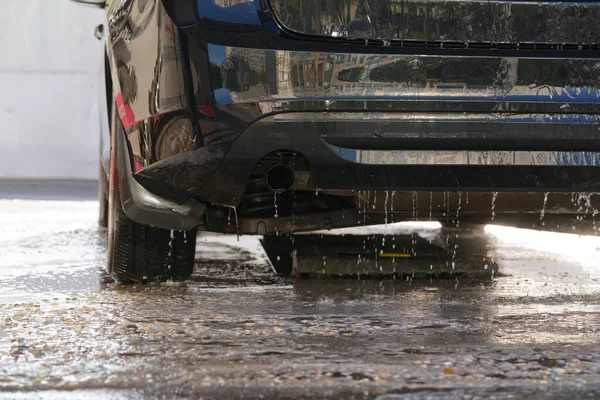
235,330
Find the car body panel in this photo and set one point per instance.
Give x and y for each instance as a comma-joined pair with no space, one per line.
206,91
466,21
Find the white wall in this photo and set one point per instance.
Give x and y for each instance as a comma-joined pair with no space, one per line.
49,66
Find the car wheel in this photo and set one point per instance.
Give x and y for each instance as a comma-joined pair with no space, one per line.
140,253
102,199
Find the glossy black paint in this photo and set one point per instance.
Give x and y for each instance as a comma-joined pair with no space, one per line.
496,21
306,135
194,79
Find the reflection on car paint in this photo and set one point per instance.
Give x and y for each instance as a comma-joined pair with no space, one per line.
274,75
230,11
444,20
458,157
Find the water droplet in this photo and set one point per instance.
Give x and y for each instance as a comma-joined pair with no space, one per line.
385,207
430,204
543,212
494,197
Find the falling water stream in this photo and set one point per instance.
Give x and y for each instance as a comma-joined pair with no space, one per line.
430,205
543,212
458,209
494,197
393,236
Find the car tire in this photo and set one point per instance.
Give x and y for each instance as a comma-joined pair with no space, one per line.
102,199
140,253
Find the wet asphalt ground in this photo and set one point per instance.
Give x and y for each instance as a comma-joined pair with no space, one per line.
234,330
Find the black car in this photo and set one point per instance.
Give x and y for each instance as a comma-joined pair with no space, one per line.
276,116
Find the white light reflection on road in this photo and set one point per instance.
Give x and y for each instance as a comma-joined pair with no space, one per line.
574,249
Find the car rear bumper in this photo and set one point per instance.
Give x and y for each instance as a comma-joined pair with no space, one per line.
376,151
